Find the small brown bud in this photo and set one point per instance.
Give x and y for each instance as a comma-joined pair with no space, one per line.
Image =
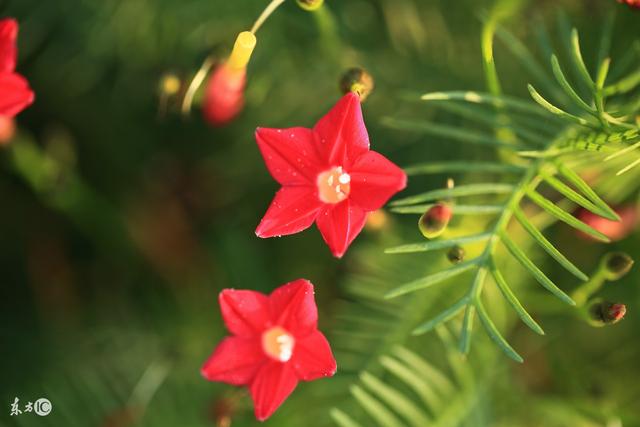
310,5
357,80
607,313
435,220
456,254
616,265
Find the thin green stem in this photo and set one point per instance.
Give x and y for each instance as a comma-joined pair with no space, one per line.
271,7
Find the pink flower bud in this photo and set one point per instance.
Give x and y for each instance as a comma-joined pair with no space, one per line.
224,94
7,129
435,220
606,313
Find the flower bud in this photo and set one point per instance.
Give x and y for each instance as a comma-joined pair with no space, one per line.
616,265
224,94
310,4
456,254
7,129
435,220
357,80
169,85
606,313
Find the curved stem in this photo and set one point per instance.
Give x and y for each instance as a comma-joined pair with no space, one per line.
265,14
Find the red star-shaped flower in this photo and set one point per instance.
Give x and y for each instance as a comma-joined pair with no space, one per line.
15,93
328,175
274,344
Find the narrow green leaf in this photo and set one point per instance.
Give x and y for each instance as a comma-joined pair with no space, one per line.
396,400
375,409
445,131
564,84
432,279
586,189
557,111
547,246
467,329
577,198
623,151
535,271
438,244
576,54
415,382
342,419
424,369
565,216
624,85
495,335
444,316
456,209
466,167
457,191
628,167
513,300
484,98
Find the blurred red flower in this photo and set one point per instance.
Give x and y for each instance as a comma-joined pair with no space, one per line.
328,175
224,95
615,230
274,344
15,93
632,3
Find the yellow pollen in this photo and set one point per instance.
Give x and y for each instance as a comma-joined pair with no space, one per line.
333,185
278,344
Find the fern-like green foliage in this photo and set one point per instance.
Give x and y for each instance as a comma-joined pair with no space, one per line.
543,145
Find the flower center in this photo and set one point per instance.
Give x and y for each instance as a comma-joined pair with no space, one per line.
333,185
278,344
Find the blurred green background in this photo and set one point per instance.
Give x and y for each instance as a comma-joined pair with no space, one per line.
120,222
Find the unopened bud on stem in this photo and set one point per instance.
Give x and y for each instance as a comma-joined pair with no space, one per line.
435,220
616,265
605,313
456,254
357,80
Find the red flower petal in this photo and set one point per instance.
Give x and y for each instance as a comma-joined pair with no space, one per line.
234,361
8,51
341,134
273,383
246,313
374,179
293,209
294,307
340,224
224,95
290,155
312,357
15,94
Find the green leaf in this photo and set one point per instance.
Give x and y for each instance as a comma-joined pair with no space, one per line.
415,382
623,85
578,61
547,246
444,316
557,111
466,167
586,189
457,191
485,98
535,271
396,400
424,369
513,300
628,167
577,198
564,216
445,131
374,408
438,244
467,328
432,279
564,84
495,335
342,419
456,209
